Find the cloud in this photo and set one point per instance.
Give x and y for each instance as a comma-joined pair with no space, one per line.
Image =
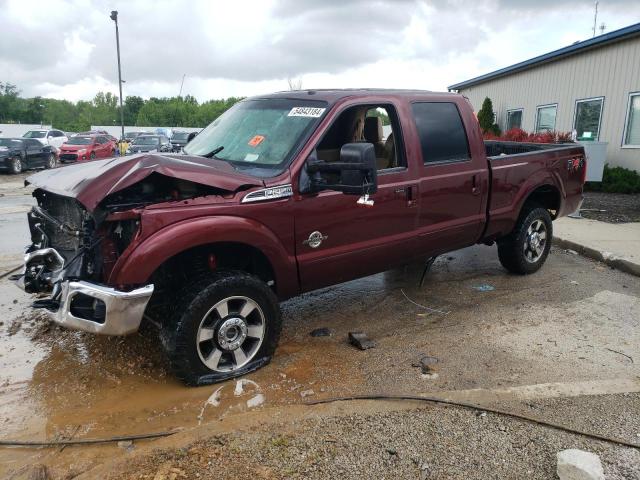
243,47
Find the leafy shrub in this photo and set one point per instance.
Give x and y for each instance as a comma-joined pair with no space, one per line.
519,135
616,180
485,118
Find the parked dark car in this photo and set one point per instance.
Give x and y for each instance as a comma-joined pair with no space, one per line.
132,135
149,143
18,154
179,140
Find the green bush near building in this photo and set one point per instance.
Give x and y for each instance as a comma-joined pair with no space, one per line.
616,180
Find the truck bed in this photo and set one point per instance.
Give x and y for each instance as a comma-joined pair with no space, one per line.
518,169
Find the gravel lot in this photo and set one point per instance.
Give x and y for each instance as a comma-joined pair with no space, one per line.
428,443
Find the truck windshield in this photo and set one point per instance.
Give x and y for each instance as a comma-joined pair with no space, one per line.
146,141
259,135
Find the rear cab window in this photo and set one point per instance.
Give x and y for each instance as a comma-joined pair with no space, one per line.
443,138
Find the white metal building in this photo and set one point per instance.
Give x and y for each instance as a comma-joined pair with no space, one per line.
592,87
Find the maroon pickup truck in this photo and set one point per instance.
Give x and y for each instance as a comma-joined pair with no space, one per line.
283,194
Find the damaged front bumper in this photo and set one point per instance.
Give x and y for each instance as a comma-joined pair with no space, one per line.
82,305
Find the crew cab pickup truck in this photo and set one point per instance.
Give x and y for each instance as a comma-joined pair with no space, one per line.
283,194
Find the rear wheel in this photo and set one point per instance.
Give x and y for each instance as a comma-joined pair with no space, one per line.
16,165
224,325
51,161
526,249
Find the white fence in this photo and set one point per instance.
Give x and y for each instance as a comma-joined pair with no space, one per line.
19,129
116,130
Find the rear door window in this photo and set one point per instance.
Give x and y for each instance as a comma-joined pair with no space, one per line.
442,134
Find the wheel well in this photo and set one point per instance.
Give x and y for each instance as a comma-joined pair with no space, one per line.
182,268
218,256
547,196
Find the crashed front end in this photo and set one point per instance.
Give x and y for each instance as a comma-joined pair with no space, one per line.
69,261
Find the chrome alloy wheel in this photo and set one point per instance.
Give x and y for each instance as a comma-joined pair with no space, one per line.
535,241
230,334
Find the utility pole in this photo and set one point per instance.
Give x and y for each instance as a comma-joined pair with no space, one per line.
595,19
114,17
175,112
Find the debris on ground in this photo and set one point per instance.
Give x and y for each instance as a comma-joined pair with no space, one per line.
429,309
307,393
485,287
425,364
256,401
360,340
574,464
126,444
321,332
572,252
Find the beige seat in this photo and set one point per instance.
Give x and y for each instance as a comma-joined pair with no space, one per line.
373,134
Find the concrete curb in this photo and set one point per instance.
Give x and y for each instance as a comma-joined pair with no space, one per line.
608,258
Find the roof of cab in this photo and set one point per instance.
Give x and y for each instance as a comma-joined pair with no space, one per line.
333,95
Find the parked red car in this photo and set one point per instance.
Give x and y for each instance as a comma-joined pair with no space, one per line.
87,147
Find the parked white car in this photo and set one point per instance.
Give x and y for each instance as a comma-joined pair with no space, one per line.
55,138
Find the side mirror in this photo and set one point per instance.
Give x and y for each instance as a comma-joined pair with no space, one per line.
354,174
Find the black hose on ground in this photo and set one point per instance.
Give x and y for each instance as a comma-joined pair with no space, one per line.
83,441
546,423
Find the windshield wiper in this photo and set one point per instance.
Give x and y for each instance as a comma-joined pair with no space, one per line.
214,152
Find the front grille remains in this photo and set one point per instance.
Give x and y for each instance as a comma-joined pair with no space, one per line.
68,157
56,222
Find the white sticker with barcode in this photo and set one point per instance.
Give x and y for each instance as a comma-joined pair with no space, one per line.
312,112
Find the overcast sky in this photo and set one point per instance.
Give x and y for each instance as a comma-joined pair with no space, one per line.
66,49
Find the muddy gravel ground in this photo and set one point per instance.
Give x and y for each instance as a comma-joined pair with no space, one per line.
563,344
611,207
431,442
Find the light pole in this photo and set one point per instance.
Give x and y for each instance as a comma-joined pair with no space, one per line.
114,17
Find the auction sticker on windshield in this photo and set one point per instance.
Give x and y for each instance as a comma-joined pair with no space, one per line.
312,112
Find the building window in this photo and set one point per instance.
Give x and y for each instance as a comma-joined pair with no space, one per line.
587,119
514,119
546,118
632,125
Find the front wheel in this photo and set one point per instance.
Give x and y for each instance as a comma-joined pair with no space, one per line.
526,249
223,326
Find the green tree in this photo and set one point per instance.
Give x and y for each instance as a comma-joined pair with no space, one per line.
132,106
8,102
486,118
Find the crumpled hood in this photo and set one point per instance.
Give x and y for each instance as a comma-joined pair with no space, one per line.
91,182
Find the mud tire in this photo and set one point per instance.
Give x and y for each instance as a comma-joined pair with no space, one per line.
511,248
193,302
